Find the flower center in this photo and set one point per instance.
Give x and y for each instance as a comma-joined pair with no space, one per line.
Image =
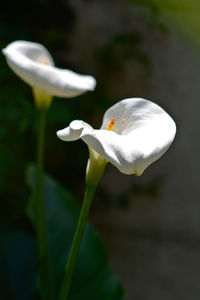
111,124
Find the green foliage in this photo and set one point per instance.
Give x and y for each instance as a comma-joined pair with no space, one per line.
122,47
183,13
17,264
152,14
93,277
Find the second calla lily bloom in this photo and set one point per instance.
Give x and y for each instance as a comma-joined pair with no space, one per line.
33,63
135,132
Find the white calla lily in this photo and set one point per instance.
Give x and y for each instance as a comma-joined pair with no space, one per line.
33,63
135,132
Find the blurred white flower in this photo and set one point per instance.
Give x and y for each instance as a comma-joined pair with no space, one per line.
135,132
33,63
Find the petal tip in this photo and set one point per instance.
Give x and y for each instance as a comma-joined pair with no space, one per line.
60,134
4,51
63,134
90,83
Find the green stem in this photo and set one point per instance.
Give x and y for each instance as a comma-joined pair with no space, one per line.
40,215
73,255
94,171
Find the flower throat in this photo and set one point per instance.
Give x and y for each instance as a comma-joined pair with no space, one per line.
111,124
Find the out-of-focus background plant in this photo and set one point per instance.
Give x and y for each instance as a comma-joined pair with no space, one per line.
133,48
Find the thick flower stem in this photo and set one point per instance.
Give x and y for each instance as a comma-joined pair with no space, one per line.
40,215
76,244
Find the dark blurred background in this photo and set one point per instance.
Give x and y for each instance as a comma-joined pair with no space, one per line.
146,49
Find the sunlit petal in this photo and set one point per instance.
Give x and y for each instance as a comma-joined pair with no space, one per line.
142,132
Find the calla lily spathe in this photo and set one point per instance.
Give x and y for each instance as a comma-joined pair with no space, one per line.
33,63
140,133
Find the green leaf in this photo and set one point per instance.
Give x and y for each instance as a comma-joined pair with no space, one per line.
93,278
17,264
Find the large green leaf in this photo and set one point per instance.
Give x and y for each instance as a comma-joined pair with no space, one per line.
17,264
93,278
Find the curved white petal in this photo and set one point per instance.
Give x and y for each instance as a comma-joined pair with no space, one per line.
34,64
142,132
73,131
